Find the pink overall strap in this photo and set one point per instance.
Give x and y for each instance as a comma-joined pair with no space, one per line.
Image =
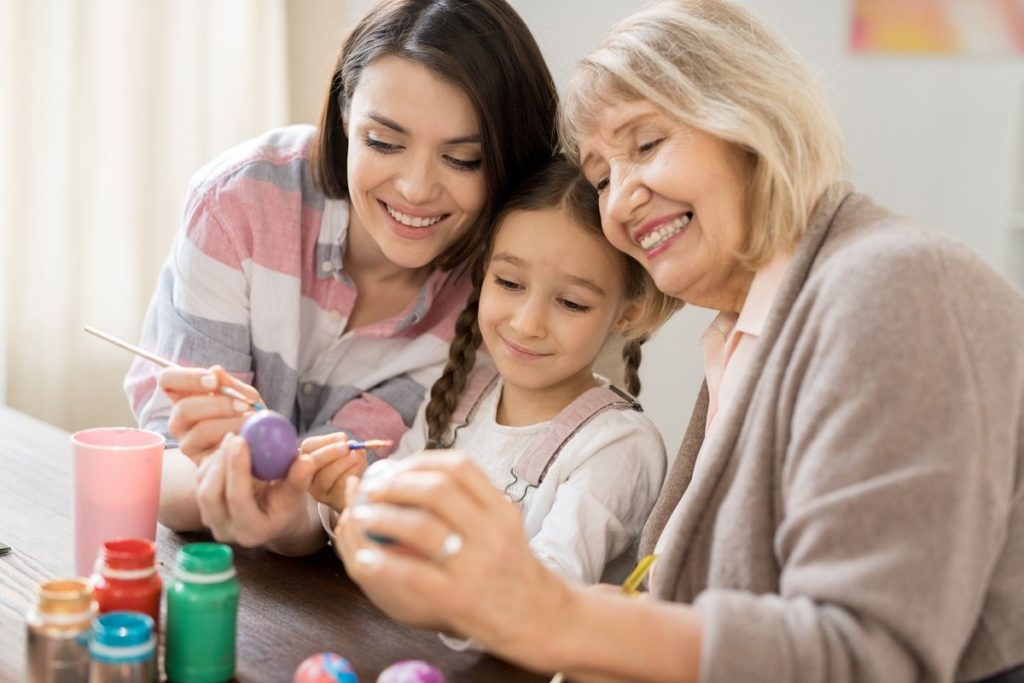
542,452
481,378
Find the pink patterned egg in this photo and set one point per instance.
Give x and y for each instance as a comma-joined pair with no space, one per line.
325,667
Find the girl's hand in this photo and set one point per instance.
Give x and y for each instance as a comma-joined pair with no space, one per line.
201,417
334,463
238,508
461,564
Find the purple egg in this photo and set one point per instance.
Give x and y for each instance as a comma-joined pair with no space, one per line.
273,444
325,667
411,671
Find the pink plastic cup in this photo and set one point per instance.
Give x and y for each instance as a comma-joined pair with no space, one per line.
116,488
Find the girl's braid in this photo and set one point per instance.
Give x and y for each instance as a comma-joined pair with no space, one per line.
444,395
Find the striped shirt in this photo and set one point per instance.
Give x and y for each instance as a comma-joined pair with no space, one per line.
255,283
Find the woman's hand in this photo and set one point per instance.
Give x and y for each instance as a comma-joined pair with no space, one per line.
334,463
237,508
201,417
461,563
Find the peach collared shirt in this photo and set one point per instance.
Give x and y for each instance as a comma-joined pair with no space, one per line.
730,340
729,343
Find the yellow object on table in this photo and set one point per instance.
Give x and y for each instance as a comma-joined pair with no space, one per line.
629,587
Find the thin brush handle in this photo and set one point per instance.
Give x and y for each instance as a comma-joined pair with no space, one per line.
163,362
129,347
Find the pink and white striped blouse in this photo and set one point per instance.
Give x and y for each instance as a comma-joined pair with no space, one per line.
255,283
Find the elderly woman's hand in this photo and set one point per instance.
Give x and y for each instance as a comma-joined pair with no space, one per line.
460,562
201,417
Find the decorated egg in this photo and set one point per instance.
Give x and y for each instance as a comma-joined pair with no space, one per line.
325,667
411,671
273,444
377,471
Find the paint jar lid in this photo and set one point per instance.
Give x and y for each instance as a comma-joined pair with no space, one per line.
204,558
122,637
65,597
128,553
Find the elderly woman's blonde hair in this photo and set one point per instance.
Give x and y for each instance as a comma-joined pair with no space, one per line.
715,67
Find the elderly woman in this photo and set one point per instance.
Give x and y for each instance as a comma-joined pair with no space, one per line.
847,504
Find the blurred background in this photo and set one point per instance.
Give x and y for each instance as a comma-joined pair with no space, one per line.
108,106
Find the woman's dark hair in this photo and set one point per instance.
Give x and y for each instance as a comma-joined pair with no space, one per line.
480,46
558,185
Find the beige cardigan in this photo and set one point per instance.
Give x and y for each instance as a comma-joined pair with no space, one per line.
858,512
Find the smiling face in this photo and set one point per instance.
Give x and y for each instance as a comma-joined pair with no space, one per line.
415,177
673,197
551,296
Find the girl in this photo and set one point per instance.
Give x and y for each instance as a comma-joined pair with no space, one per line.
321,264
579,455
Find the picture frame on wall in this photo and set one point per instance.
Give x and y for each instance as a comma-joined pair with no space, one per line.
938,27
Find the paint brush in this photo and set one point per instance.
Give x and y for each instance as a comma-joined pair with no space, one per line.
629,587
636,577
163,362
370,443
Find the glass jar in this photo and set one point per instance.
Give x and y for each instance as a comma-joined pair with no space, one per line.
58,632
202,613
126,579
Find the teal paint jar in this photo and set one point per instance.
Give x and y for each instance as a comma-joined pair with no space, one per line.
202,615
122,648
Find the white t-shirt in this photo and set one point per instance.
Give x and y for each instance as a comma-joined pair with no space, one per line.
585,518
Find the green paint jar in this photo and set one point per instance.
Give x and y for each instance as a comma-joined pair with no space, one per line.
202,613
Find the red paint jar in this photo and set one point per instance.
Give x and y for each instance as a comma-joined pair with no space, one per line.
125,578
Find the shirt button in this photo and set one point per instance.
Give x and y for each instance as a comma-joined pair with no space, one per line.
308,388
326,266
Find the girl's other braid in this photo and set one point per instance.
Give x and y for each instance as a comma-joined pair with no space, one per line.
631,359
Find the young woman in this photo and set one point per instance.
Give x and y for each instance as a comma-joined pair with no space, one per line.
321,265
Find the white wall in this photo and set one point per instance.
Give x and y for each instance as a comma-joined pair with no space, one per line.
939,139
6,106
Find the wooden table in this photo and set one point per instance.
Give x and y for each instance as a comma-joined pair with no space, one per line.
289,609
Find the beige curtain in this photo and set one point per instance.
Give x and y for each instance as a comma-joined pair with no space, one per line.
108,107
